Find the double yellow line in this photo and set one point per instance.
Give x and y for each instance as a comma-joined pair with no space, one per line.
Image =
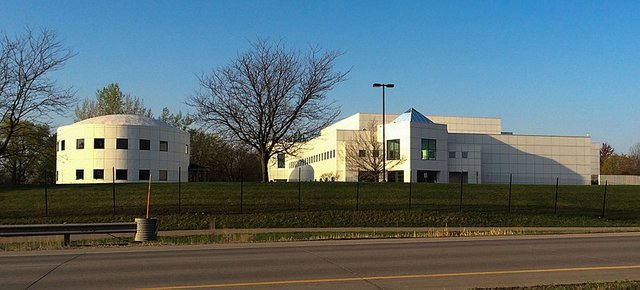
397,277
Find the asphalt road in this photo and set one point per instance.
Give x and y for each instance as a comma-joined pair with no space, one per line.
367,264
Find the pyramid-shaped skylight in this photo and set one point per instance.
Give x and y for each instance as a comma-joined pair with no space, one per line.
412,115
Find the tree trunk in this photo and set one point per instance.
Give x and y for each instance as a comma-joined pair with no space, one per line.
264,162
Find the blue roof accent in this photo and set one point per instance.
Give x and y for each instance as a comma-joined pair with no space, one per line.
412,115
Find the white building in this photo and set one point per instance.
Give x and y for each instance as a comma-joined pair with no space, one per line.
443,149
121,148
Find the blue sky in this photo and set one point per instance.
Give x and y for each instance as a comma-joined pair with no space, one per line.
544,67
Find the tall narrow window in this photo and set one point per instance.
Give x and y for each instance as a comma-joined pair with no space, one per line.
62,145
121,174
98,143
98,174
465,154
186,149
393,149
145,144
79,143
428,150
164,146
79,174
162,175
122,143
280,160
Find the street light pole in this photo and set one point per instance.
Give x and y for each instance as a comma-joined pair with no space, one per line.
384,139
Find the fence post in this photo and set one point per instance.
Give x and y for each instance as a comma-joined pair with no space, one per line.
46,196
461,179
113,188
510,182
241,192
299,191
409,192
604,199
357,194
555,206
179,189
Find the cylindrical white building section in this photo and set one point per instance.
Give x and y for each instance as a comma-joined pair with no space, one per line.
121,148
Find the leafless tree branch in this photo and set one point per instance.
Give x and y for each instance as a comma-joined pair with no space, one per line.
270,98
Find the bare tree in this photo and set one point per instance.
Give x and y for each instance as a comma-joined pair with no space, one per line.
269,98
364,155
26,91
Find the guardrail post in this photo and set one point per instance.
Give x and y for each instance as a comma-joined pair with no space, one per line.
67,240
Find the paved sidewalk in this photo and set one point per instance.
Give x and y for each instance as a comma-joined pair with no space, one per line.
541,230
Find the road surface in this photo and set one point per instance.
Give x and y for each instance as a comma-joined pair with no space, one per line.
360,264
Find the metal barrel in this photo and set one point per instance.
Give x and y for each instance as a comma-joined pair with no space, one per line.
146,230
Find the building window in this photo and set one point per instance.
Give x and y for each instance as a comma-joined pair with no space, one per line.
143,174
98,143
452,154
145,144
79,143
57,146
79,174
122,143
164,146
121,174
186,149
162,175
56,175
62,145
465,154
428,150
98,174
393,149
375,153
280,160
362,153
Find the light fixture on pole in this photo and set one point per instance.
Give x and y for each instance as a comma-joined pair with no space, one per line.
384,140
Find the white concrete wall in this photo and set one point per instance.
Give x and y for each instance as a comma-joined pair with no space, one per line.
532,159
619,179
132,159
480,125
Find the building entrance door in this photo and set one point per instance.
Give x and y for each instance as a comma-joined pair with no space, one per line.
428,176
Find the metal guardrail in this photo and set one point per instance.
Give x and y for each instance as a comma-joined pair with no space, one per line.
65,229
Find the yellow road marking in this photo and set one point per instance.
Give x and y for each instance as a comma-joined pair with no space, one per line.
415,276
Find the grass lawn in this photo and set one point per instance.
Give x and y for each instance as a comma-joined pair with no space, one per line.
205,205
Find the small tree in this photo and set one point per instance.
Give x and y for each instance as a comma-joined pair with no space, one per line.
111,100
364,154
269,98
26,91
606,151
176,120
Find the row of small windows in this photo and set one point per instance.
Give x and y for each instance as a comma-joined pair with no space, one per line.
307,160
121,143
463,155
120,174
